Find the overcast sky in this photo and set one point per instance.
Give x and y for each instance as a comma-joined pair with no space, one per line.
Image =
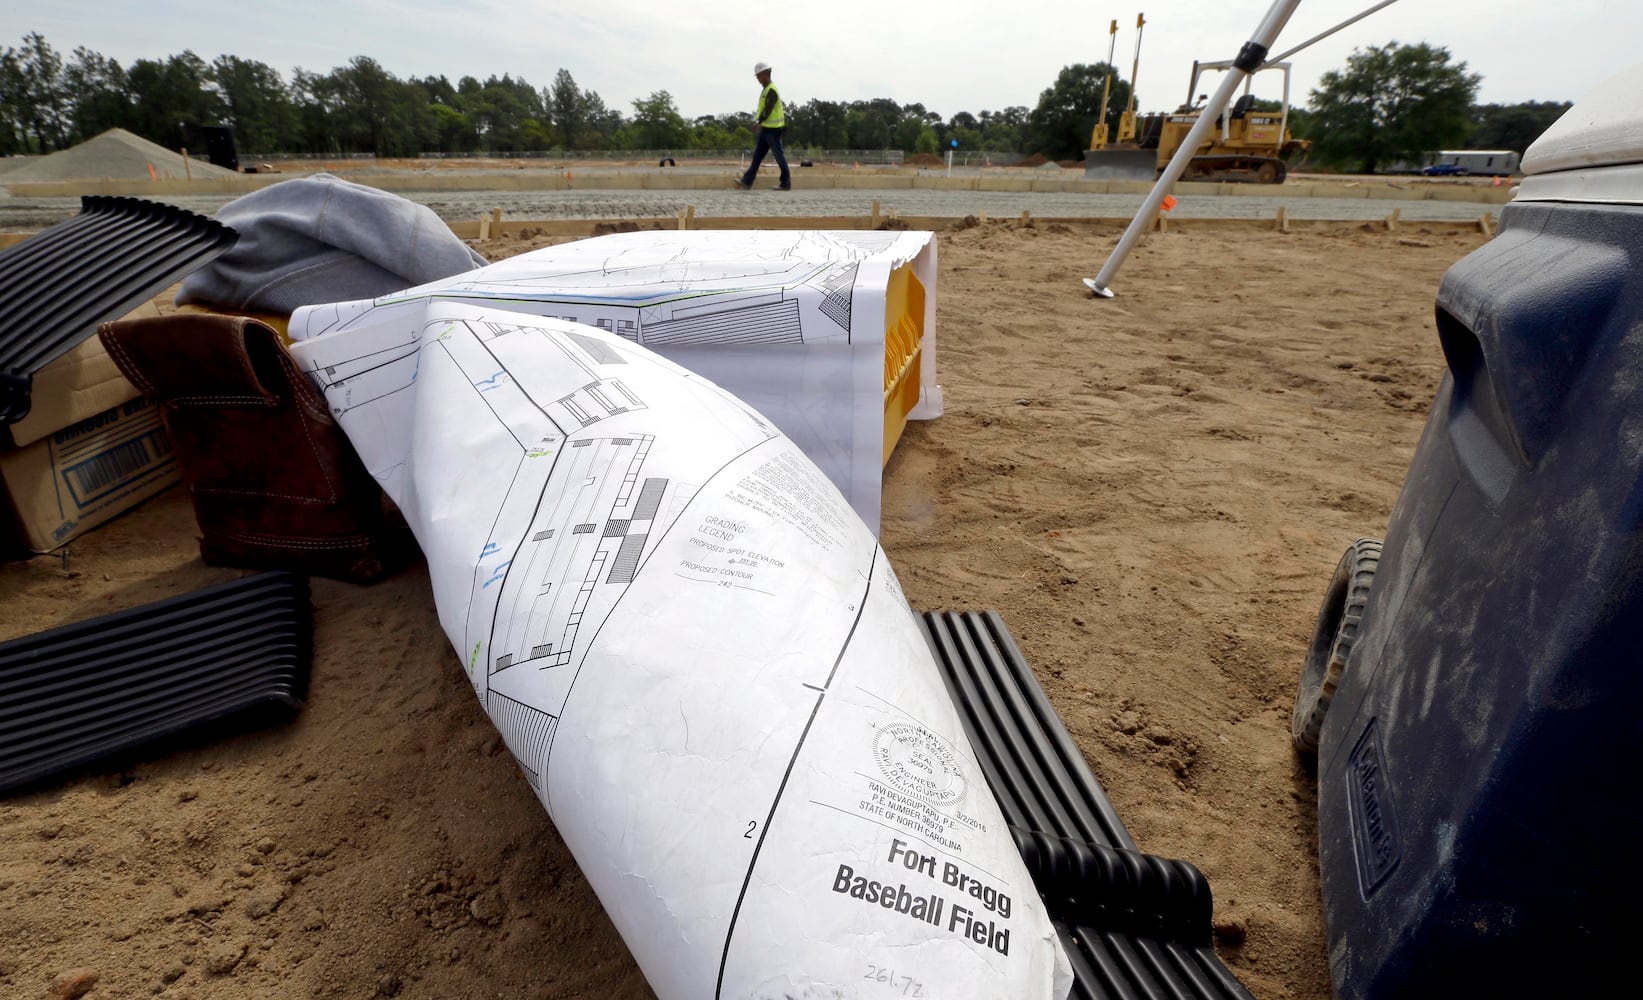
951,55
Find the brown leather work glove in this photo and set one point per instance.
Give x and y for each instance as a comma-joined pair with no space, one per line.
275,483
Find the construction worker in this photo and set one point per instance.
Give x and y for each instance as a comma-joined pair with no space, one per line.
768,122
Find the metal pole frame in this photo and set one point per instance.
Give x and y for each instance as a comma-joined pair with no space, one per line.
1250,58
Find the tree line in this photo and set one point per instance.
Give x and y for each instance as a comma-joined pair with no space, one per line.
1389,103
1396,103
49,102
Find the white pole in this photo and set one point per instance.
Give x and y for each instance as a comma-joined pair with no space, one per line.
1250,58
1325,34
949,163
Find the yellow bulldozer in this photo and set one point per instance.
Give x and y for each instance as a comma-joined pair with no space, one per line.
1248,145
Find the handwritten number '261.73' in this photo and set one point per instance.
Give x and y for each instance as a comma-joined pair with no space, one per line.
880,974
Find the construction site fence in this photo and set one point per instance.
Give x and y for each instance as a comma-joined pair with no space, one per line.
875,157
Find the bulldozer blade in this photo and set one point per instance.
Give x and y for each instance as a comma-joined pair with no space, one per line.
1121,164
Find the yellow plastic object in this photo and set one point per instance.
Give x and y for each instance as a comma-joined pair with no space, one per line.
903,345
279,322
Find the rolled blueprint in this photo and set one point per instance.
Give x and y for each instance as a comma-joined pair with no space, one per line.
793,322
699,657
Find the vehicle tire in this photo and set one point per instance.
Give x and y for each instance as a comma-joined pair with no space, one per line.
1340,621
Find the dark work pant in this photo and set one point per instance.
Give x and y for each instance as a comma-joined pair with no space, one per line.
769,139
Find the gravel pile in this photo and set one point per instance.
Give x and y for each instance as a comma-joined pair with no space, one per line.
116,154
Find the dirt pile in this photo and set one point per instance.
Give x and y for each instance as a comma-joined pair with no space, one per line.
115,154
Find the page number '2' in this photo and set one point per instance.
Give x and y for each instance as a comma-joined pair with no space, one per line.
752,825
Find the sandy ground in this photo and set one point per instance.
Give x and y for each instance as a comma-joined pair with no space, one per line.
1152,490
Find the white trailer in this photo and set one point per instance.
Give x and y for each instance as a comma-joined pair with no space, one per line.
1480,161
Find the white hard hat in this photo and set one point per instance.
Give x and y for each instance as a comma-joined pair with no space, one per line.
758,68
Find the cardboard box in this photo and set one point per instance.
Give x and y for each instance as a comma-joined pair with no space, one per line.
81,383
89,449
84,474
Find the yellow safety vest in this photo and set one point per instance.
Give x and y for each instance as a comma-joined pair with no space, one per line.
778,117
